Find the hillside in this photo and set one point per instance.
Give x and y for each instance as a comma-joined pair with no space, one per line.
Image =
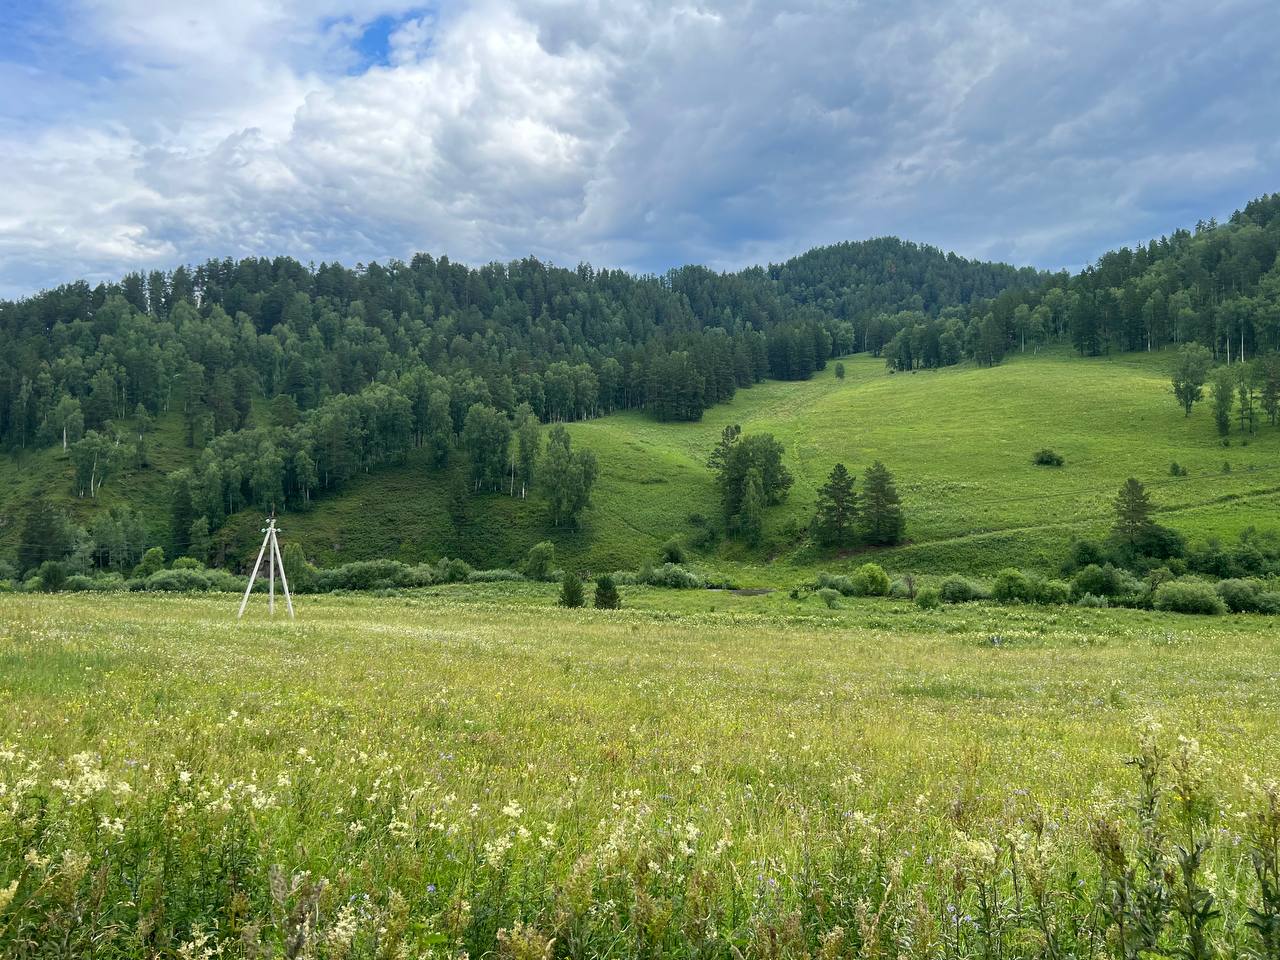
379,407
959,440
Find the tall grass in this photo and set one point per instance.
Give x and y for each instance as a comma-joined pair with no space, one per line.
409,777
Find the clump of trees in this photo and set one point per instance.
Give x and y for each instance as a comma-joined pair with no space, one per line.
750,477
845,518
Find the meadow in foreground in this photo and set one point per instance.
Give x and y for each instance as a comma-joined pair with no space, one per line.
427,776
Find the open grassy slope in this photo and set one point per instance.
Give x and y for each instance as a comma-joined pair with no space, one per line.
959,440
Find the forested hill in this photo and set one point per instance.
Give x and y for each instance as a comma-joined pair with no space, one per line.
857,280
569,343
260,382
1217,285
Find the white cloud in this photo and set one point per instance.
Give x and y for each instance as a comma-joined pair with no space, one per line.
631,133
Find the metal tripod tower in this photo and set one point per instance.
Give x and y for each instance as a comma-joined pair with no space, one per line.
271,549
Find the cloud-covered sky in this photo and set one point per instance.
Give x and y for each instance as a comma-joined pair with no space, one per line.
636,133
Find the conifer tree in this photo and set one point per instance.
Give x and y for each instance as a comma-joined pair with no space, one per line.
606,597
571,590
835,519
1133,513
883,523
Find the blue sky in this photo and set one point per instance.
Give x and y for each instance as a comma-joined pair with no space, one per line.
630,133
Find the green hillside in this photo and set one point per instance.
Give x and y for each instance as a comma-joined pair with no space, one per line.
959,440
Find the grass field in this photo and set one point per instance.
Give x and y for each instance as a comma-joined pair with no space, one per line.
960,441
470,768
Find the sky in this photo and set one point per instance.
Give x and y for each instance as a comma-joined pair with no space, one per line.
137,135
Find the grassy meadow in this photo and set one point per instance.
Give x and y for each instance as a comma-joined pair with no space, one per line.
959,440
469,769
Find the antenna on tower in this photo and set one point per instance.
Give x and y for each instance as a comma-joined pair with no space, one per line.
271,550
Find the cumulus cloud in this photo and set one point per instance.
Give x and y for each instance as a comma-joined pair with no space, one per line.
635,133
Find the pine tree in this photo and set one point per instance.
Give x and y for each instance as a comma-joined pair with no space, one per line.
883,523
571,590
607,593
836,516
1133,513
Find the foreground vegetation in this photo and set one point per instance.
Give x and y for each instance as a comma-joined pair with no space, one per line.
467,768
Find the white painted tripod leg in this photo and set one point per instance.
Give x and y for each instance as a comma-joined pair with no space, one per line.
253,576
284,581
271,572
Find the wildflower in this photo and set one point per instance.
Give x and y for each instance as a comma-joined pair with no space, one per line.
512,810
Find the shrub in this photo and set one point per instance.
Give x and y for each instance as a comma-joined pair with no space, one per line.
1052,592
670,575
540,561
839,370
227,582
900,590
52,576
1092,600
704,538
607,597
929,599
1268,603
672,551
959,590
494,576
151,562
178,581
1240,596
365,575
1013,586
449,570
1101,581
1083,553
834,581
571,591
1177,470
1188,596
870,580
1047,458
301,574
830,597
189,563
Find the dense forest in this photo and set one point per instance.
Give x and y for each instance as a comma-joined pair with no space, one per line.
291,379
1218,286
